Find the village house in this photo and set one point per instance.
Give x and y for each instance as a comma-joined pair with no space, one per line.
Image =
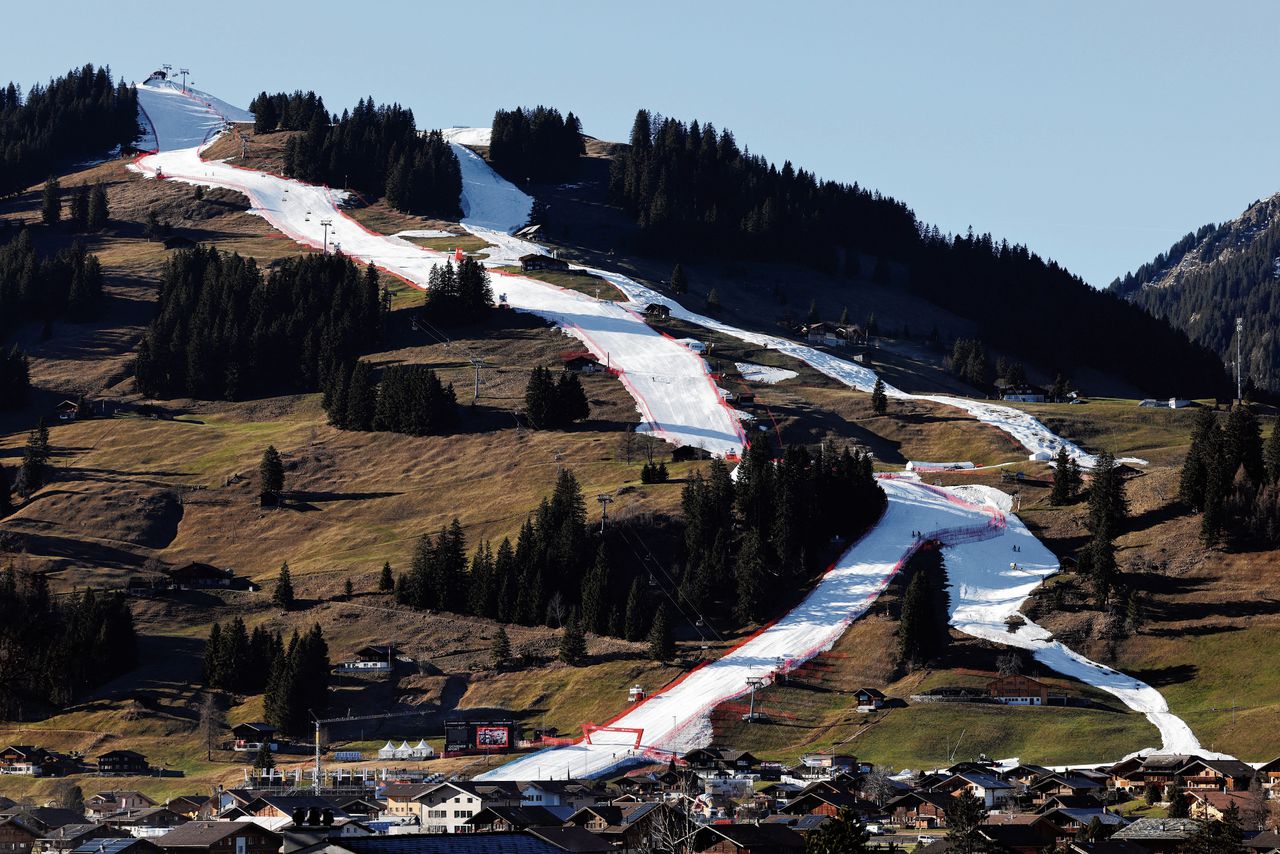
869,699
125,845
1070,822
534,261
1018,690
1066,784
825,333
193,806
747,839
1224,775
986,787
146,823
824,798
199,576
581,362
71,836
922,810
1162,769
401,800
559,793
1158,835
101,804
657,311
18,834
505,819
1269,776
626,826
251,736
446,807
220,837
1212,805
123,763
30,761
1021,392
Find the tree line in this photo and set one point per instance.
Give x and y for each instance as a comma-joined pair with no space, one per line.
35,287
1233,479
772,528
224,331
286,111
692,190
553,403
458,295
15,378
535,144
53,650
294,677
924,622
72,117
376,150
409,399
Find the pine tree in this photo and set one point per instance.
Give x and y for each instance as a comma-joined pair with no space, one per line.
51,202
713,300
879,400
1179,806
843,834
283,595
386,582
6,501
1066,479
347,588
501,649
79,213
594,593
1206,439
679,281
99,210
660,646
813,316
965,817
634,619
573,644
749,574
1271,454
264,760
270,476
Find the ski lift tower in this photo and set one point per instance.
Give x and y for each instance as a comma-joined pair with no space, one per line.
754,682
1239,363
184,72
605,500
326,223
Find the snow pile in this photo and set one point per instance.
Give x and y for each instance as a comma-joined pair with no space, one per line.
468,136
766,374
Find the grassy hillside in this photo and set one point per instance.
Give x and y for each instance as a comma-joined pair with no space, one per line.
134,490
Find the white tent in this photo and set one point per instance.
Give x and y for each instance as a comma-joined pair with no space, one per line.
423,750
404,751
387,752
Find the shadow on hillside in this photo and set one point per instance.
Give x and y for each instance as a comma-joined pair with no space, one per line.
1172,674
1193,631
307,501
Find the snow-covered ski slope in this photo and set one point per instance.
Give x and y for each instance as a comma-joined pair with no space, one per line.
670,383
985,588
976,530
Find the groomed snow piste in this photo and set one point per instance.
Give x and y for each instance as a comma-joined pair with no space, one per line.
671,385
680,404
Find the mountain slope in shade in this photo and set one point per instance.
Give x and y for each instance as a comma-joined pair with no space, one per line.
1214,275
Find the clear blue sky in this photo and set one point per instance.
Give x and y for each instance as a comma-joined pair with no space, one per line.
1096,133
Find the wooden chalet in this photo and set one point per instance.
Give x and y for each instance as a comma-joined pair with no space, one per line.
535,261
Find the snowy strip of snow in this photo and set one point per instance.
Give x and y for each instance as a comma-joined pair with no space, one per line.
766,374
918,465
424,232
671,384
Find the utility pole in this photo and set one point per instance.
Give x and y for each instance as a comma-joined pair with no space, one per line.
605,500
317,780
326,223
184,72
167,69
1239,364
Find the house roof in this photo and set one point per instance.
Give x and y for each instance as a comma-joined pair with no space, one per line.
939,799
517,842
1267,840
519,817
202,834
72,831
1225,767
495,789
1068,779
254,726
753,835
1086,816
115,845
977,778
51,818
1223,800
872,692
571,838
1107,846
1158,828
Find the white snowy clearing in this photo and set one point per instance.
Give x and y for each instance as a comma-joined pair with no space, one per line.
766,374
671,386
680,404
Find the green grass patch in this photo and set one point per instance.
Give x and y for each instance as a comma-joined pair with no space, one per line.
468,243
584,283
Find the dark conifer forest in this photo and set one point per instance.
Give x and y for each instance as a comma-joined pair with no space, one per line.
224,331
294,677
535,144
773,529
72,118
376,150
52,650
32,287
694,191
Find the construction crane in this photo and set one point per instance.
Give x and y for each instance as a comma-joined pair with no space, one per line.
322,721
